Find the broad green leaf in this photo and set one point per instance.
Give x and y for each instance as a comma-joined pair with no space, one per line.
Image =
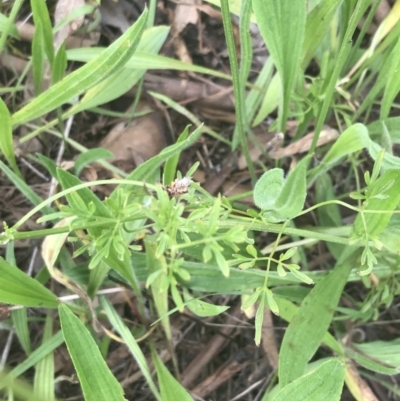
308,327
92,155
96,379
392,82
282,199
390,236
17,288
282,25
385,196
130,342
354,139
170,388
392,124
322,384
318,21
109,61
6,137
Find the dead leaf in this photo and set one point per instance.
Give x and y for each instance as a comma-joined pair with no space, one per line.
185,13
137,142
63,9
303,145
357,385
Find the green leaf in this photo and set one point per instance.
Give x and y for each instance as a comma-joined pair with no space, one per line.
282,199
282,25
131,343
4,21
91,156
201,308
20,321
172,163
318,21
38,57
150,166
109,61
83,197
41,18
143,60
38,354
123,80
171,389
60,64
392,81
375,223
6,137
322,384
17,288
374,364
96,379
44,369
352,140
308,327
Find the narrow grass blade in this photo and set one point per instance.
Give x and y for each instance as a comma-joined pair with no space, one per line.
171,389
109,61
44,370
6,137
344,51
392,82
8,27
130,341
92,155
172,163
96,379
20,321
17,288
148,168
24,188
309,325
282,25
41,18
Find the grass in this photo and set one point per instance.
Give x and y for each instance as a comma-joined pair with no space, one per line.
176,246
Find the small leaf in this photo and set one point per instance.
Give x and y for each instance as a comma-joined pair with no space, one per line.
282,199
201,308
